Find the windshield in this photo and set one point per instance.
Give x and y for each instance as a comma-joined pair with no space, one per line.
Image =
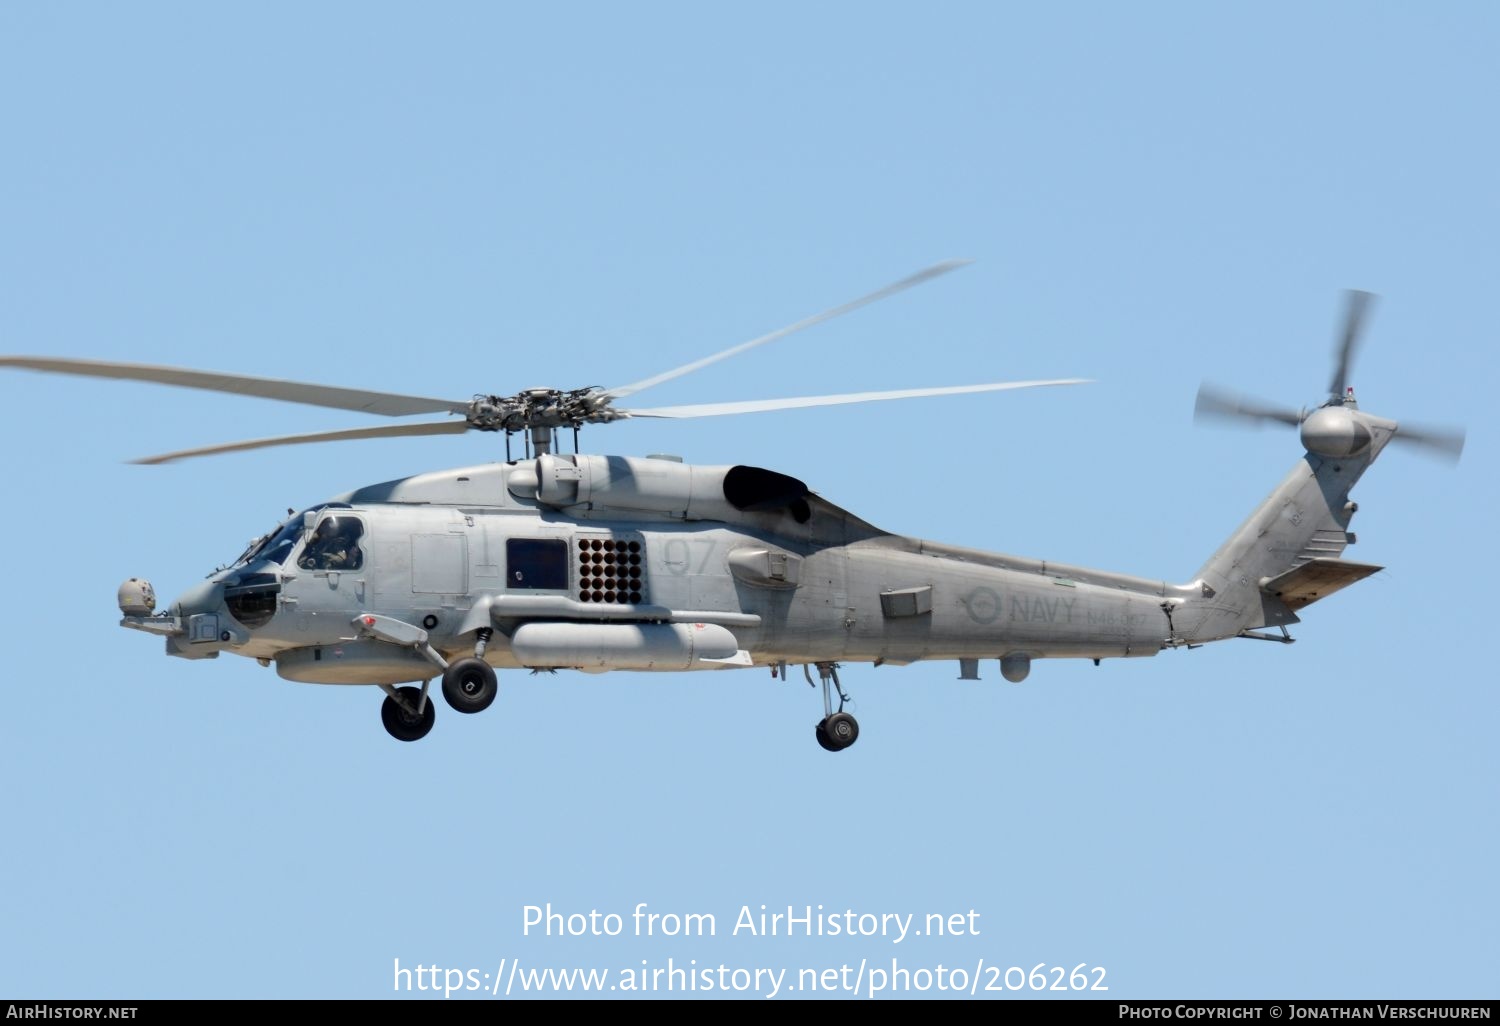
277,545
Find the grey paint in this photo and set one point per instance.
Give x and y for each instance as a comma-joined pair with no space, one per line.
821,587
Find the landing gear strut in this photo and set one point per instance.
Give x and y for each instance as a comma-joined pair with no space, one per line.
469,684
837,730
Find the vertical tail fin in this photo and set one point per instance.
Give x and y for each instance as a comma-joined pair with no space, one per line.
1305,518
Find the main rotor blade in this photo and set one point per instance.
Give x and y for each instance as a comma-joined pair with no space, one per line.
1213,402
1359,305
1447,443
441,427
765,405
905,283
383,403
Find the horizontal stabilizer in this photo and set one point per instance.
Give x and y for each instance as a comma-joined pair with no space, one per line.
1317,578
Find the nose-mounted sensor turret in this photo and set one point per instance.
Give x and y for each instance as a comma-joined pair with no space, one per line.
137,597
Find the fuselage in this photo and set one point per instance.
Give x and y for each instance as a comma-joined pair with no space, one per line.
794,578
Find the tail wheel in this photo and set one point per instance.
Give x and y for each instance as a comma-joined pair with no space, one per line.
822,736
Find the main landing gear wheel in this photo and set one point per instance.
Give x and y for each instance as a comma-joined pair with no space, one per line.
838,731
403,725
469,685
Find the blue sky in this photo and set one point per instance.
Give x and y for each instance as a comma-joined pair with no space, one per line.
488,197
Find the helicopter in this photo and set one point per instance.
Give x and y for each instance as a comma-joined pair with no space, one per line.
559,560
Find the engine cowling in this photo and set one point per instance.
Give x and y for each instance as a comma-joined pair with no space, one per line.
658,486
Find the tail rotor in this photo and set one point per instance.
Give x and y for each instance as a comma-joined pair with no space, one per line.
1336,427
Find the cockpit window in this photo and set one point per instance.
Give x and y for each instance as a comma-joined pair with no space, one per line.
277,545
334,545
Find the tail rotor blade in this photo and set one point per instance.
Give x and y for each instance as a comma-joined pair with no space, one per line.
1215,402
1444,443
1354,318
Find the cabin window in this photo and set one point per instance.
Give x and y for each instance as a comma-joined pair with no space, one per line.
536,563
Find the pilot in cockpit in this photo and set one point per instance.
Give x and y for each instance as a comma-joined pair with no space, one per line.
333,546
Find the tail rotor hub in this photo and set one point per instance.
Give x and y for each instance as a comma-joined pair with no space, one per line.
1335,431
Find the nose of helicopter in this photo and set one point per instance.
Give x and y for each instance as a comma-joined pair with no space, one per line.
200,616
205,597
194,625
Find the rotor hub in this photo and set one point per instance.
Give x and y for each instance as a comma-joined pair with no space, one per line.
543,408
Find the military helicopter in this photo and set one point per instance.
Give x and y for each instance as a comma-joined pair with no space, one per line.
572,561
